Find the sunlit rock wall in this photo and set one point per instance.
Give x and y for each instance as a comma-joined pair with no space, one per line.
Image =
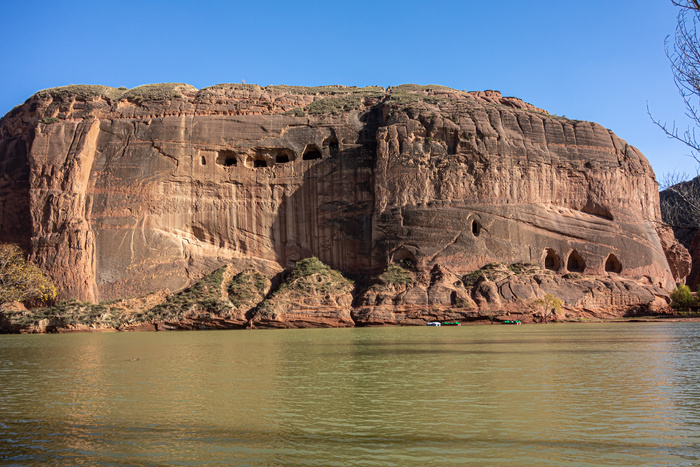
121,193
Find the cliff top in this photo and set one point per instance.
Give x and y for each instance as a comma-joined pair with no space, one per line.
294,100
172,91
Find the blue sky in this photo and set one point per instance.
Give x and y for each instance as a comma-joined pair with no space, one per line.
599,60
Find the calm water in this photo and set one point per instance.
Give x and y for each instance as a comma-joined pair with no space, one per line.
579,394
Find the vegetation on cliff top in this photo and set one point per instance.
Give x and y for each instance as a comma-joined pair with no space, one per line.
160,91
325,90
156,92
81,91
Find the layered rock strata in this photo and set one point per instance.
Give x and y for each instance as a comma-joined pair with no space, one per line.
119,193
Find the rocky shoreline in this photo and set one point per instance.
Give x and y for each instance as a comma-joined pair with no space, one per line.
312,295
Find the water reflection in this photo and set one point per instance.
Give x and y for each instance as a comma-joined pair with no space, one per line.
534,395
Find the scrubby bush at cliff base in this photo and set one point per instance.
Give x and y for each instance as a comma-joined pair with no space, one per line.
21,281
326,280
395,274
248,288
204,296
548,305
66,315
682,297
206,299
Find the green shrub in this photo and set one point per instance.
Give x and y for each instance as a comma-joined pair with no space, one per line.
69,313
295,112
247,288
469,280
324,90
309,278
394,274
491,272
420,88
50,120
308,266
521,268
682,297
205,295
155,92
81,91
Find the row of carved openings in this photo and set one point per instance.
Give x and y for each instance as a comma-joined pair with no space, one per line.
576,263
229,158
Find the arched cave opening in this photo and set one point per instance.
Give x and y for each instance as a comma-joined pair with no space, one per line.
204,160
404,257
551,260
331,144
226,158
258,163
476,228
612,264
575,263
311,153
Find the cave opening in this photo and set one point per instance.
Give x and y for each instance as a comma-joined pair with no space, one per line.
282,159
331,144
612,264
551,260
311,153
226,158
575,263
258,163
204,160
404,257
476,228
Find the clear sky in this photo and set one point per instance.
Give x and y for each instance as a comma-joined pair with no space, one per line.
599,60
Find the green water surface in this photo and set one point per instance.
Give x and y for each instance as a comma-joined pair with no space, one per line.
574,394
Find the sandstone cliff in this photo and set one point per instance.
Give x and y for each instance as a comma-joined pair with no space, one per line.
680,209
120,193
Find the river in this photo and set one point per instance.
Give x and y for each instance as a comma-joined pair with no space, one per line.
575,394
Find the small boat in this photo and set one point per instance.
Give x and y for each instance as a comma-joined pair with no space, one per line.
451,323
512,321
433,323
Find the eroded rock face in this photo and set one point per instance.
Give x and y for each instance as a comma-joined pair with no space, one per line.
499,291
119,194
680,209
313,296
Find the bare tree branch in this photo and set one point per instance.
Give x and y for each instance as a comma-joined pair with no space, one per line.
684,55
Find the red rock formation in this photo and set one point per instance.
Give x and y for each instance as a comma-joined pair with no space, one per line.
120,193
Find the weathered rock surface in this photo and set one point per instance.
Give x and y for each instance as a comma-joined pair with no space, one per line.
313,295
680,209
693,280
122,193
499,291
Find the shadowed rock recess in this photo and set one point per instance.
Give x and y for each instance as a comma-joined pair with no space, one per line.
407,190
